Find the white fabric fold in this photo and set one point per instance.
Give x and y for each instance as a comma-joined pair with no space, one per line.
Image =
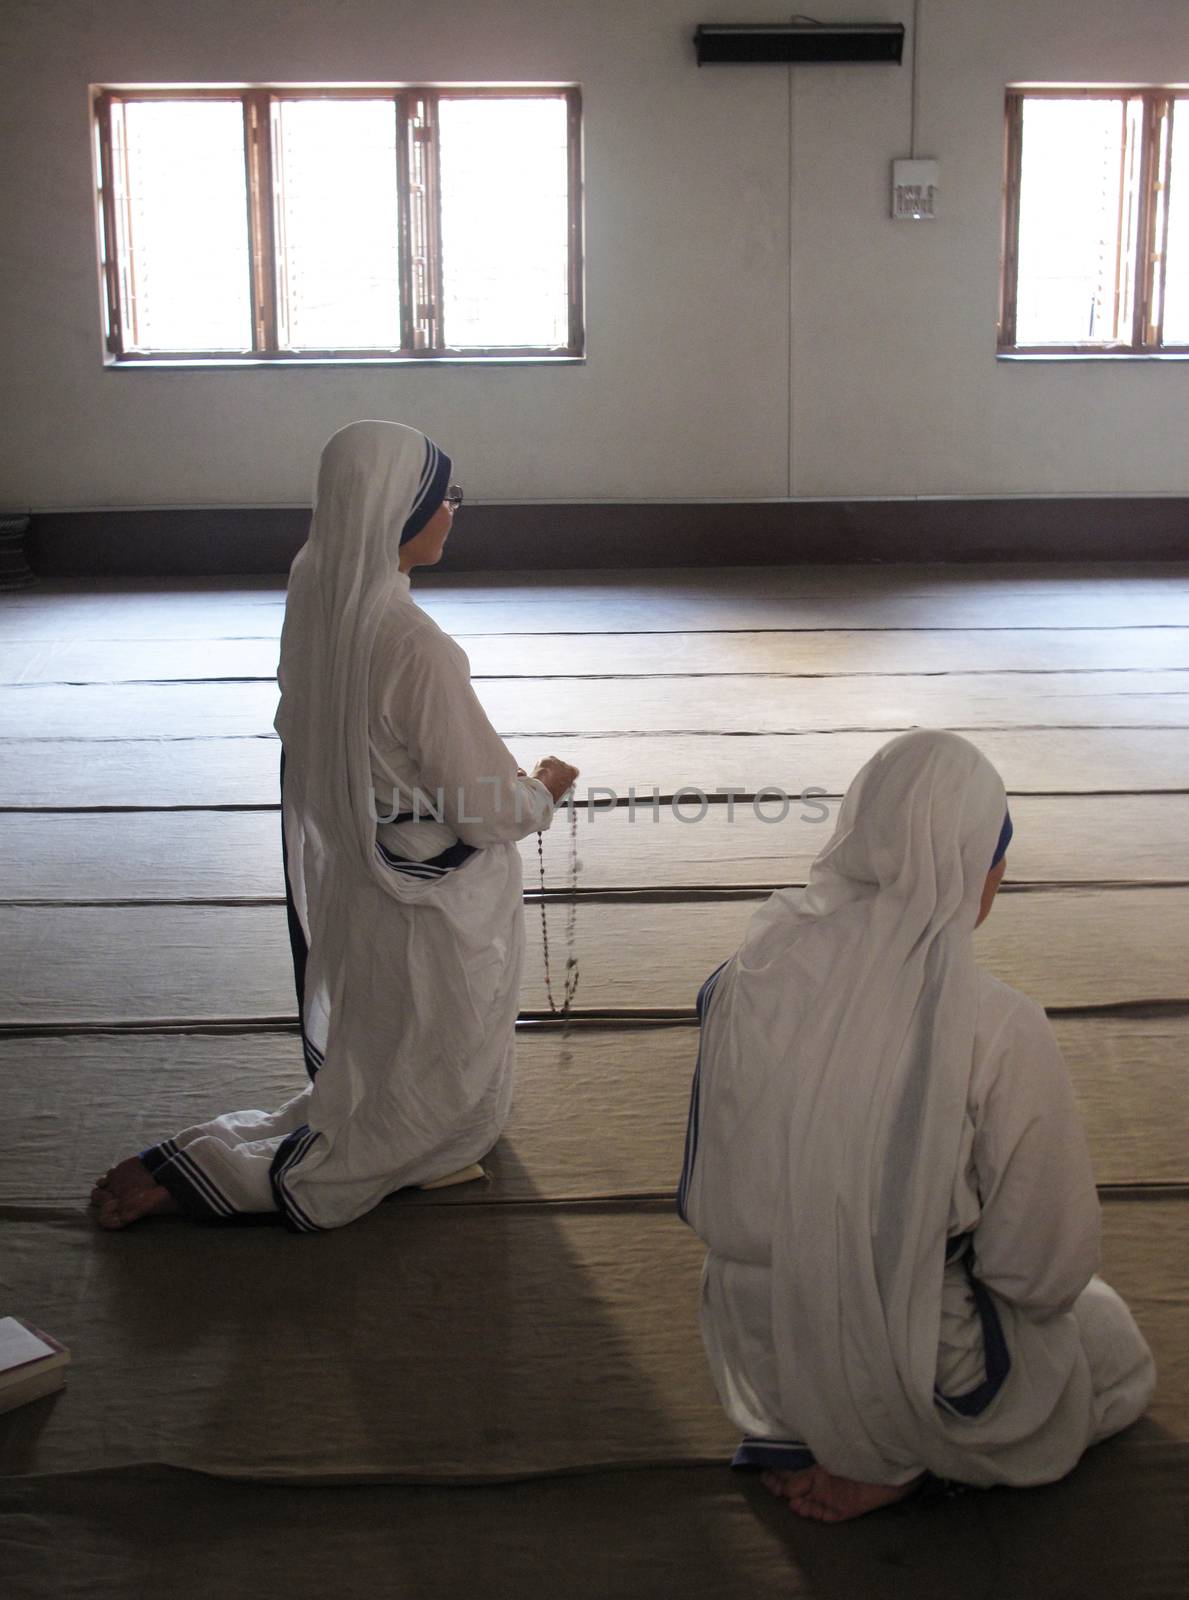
411,983
832,1134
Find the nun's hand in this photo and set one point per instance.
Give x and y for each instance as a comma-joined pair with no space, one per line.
556,775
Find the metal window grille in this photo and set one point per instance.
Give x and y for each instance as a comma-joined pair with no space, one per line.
268,254
1120,298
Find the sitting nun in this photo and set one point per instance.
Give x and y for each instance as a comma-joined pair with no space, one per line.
885,1161
401,808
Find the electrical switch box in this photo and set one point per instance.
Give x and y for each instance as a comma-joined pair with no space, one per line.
914,190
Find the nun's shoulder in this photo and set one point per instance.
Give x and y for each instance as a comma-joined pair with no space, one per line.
1002,1009
406,631
1017,1058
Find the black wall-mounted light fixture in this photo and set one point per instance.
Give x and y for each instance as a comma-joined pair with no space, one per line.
749,42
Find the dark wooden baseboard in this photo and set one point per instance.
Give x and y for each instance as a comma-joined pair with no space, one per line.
514,537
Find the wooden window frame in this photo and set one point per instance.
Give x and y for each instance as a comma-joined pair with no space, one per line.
1150,231
419,210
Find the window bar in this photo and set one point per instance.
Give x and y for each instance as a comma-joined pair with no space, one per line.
1157,253
125,251
418,265
574,130
280,278
258,143
115,330
434,218
433,215
97,169
404,222
1142,225
1014,161
425,227
1124,276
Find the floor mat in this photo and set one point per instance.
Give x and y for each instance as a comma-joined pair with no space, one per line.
600,1114
422,1344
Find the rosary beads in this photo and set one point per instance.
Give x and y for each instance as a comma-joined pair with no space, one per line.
570,986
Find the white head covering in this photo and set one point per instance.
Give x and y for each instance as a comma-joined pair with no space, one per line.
837,1055
374,480
408,1017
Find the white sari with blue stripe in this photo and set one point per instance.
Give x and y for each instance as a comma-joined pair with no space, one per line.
407,936
885,1160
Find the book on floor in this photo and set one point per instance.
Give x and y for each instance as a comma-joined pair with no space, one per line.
31,1363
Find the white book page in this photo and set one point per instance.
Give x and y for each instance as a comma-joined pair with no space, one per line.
18,1345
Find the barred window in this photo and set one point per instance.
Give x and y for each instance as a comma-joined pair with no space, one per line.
361,222
1096,222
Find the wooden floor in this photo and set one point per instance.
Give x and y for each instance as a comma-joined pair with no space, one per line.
148,987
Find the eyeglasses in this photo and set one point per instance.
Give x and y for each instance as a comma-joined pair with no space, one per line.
453,497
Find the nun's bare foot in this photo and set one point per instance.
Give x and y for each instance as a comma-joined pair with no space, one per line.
822,1497
785,1484
129,1192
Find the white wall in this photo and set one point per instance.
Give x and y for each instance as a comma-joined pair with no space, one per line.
699,382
